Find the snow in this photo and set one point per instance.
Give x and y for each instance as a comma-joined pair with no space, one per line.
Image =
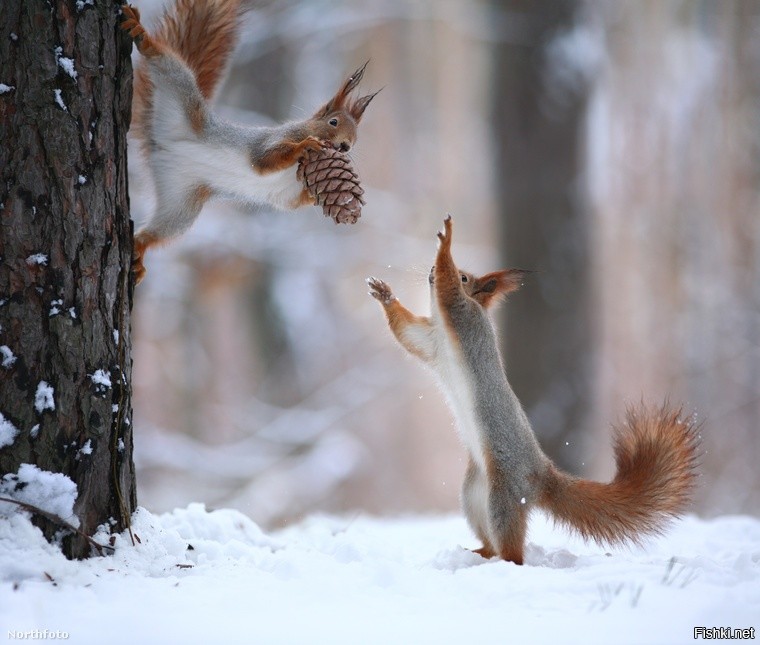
59,100
37,258
51,492
43,398
86,449
101,378
66,64
199,577
8,357
8,432
55,307
4,89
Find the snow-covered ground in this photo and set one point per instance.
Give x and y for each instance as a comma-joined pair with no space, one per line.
214,577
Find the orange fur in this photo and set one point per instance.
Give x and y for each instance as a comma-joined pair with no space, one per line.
656,454
491,288
399,318
203,34
448,281
142,242
304,199
285,154
342,100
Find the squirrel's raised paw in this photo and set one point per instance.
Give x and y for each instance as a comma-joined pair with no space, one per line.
445,235
380,291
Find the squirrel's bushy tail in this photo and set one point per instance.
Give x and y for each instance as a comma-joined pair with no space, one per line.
656,452
204,33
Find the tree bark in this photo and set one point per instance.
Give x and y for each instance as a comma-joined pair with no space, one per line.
538,120
65,253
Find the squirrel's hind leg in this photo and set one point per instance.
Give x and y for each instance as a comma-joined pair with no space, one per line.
146,45
474,504
170,219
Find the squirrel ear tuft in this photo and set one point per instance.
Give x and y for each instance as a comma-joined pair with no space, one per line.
489,289
357,107
338,101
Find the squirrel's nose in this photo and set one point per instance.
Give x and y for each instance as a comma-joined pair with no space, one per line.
345,146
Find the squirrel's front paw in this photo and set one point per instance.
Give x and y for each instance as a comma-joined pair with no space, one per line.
380,291
313,143
445,235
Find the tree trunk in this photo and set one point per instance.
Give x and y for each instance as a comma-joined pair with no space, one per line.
544,225
65,253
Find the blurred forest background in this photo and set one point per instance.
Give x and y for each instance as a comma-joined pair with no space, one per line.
611,146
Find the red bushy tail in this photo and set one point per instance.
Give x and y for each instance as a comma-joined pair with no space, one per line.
204,34
656,454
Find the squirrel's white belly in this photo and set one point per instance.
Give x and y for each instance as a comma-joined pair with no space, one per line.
461,396
228,172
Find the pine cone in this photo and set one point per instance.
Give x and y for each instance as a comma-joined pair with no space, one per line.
329,177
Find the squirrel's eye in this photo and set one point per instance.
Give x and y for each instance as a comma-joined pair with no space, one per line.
464,278
333,122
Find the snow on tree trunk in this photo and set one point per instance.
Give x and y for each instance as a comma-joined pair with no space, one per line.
65,248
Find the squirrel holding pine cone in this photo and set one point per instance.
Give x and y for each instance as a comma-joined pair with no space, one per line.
195,156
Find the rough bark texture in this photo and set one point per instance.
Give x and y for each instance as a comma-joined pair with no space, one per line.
544,221
65,252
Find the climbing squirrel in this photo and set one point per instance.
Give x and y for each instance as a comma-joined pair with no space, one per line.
508,474
193,154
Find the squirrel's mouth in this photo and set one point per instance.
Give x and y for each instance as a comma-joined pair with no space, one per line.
431,275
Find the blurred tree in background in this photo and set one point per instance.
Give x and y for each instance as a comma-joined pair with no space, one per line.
612,147
539,105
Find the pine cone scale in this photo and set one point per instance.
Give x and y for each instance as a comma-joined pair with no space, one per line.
329,177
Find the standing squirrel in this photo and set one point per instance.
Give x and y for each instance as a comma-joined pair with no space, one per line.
508,473
194,155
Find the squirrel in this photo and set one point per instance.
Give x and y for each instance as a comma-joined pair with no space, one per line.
508,474
193,154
